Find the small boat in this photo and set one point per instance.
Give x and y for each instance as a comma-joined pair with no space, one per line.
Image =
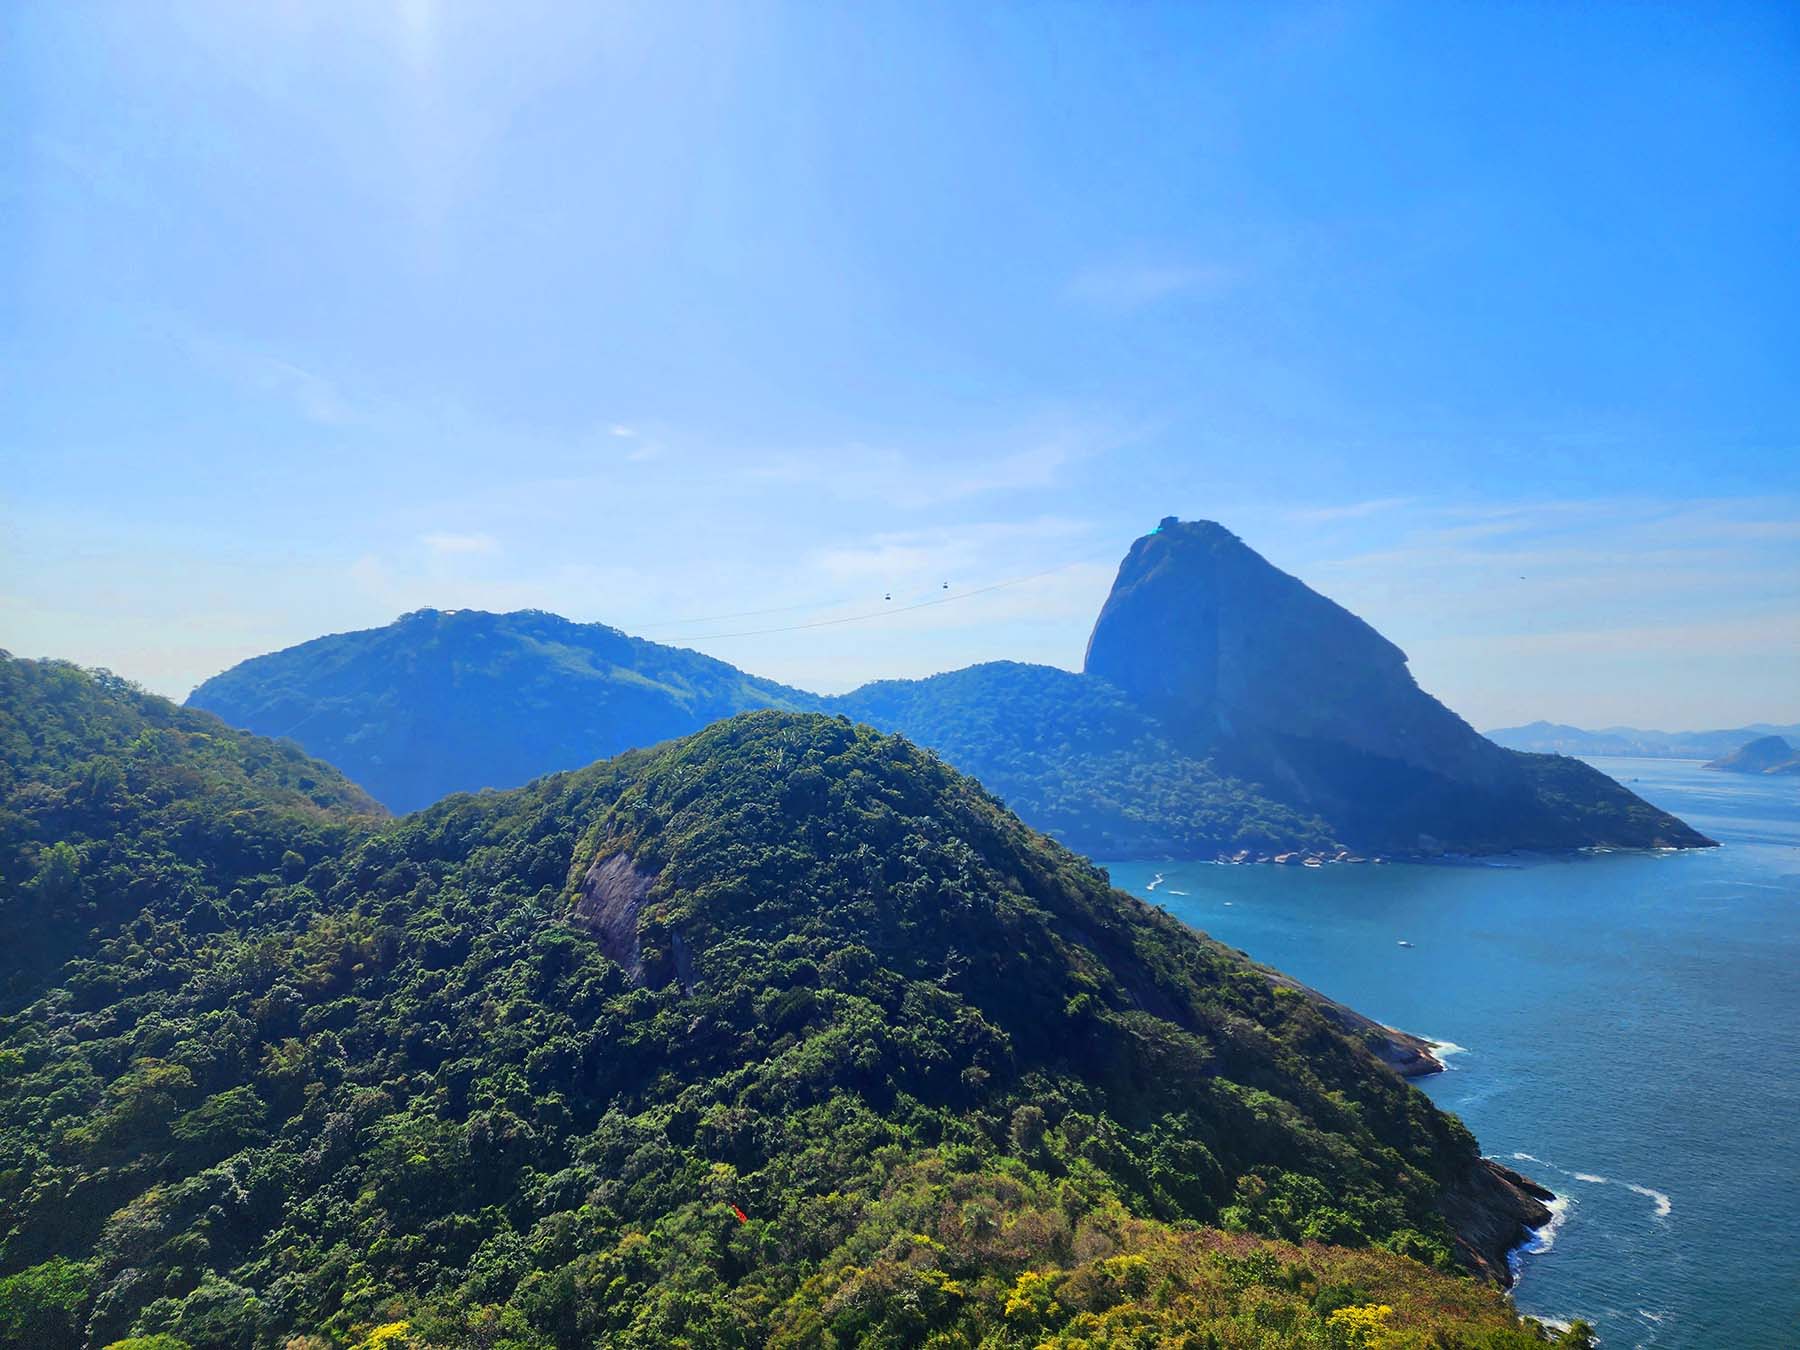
1405,943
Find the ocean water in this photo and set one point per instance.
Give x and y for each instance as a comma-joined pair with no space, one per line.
1626,1029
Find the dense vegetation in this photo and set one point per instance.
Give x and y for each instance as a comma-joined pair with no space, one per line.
387,1087
114,802
1077,759
1587,803
443,701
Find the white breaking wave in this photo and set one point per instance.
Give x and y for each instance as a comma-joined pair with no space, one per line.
1444,1050
1541,1239
1173,891
1663,1204
1155,881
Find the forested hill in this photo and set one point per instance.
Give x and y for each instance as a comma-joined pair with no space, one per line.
443,701
114,802
1226,709
505,1074
1079,760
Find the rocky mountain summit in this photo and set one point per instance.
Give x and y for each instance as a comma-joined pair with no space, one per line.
1229,651
1273,683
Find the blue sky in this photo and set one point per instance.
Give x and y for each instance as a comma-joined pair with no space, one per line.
1481,319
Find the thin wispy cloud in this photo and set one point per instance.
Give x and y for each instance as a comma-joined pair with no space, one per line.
915,479
979,552
1564,596
311,395
1348,511
1135,285
639,450
451,545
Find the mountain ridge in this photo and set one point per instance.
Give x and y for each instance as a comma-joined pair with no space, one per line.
1316,743
1561,738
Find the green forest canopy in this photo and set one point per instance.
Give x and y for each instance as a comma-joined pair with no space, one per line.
275,1067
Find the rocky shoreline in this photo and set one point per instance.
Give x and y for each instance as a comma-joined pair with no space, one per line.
1245,857
1408,1055
1493,1211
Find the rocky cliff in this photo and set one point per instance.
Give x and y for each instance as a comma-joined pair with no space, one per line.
1278,686
1229,650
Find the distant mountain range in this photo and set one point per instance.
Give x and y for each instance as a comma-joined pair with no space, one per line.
1557,739
1224,708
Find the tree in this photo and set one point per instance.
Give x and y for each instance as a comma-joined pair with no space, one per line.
46,1306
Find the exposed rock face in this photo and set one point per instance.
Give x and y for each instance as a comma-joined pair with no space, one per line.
1408,1055
1222,645
1766,754
612,896
1281,687
1492,1209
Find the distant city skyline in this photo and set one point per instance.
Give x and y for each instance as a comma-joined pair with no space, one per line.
1479,320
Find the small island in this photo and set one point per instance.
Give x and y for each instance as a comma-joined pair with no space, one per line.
1764,755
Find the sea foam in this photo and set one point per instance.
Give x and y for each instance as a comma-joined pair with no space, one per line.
1664,1206
1444,1050
1541,1239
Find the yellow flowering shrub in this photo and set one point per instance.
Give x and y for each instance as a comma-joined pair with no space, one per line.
388,1336
1356,1327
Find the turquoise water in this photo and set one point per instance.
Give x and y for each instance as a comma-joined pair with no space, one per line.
1630,1026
